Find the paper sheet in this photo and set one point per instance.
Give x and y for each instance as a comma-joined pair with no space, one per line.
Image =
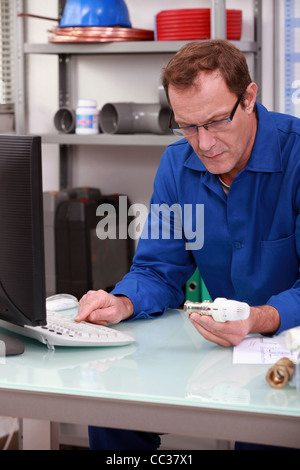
261,350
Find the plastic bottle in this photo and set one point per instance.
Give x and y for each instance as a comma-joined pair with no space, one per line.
87,117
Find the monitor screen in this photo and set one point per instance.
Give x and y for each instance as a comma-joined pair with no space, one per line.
22,271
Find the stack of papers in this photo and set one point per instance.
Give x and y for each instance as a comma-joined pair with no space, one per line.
261,350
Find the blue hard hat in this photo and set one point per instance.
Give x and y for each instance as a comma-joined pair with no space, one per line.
95,13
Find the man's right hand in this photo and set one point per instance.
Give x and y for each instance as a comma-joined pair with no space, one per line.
102,308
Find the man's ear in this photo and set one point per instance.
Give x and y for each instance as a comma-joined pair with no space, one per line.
250,97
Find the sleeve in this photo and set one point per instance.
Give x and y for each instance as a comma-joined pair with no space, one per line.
288,302
162,263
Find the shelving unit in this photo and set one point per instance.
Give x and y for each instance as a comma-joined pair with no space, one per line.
64,52
134,47
152,140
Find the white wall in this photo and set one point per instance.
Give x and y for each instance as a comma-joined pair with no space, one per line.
128,170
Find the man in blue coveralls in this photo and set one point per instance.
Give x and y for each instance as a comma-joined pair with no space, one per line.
243,164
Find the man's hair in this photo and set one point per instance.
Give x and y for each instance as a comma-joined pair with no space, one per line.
207,56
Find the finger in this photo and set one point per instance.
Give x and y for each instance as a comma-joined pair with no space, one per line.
98,317
103,316
85,307
84,310
205,327
91,301
210,336
228,333
205,321
234,328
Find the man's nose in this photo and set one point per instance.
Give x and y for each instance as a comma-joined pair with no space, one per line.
206,140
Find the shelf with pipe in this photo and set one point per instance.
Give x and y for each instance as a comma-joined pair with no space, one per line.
126,47
154,140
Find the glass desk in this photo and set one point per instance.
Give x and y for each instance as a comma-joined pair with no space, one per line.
170,381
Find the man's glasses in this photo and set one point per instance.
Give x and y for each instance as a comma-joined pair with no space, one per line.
214,126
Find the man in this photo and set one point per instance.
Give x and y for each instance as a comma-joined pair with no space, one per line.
242,164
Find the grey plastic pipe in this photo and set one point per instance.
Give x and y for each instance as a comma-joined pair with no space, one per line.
163,97
134,118
65,120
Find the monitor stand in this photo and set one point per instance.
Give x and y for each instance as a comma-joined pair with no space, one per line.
10,346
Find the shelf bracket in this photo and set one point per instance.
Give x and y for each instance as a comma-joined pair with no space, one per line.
218,19
20,68
258,39
65,166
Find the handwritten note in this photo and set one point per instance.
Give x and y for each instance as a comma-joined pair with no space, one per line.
261,350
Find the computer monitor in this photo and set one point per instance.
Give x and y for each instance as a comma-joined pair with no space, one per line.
22,270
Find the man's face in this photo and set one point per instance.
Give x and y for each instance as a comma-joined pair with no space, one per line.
225,152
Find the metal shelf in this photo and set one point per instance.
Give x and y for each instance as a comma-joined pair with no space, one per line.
153,140
126,47
66,50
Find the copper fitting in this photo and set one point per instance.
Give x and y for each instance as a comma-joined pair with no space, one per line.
280,374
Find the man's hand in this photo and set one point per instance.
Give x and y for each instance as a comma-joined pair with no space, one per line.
264,320
102,308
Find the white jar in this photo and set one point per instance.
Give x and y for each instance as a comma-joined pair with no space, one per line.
87,117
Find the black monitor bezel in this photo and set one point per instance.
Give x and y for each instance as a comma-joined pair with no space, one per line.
10,310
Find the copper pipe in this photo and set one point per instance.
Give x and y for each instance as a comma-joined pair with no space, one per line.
99,34
29,15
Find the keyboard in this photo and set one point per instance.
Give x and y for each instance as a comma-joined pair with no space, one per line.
62,330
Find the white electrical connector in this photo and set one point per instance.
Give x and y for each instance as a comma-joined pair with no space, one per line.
220,309
292,339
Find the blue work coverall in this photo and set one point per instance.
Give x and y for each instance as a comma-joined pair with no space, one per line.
251,238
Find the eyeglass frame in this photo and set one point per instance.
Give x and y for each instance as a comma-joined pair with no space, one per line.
207,124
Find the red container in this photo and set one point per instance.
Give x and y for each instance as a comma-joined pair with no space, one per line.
194,23
183,12
234,24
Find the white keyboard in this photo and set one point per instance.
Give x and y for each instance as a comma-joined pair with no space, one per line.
62,330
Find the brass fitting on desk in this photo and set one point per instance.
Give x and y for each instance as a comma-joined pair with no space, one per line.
280,374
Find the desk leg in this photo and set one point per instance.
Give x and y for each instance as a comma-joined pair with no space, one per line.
39,435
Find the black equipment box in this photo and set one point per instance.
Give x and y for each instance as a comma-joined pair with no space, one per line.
84,261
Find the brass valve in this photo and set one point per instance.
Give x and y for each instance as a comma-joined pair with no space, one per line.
280,373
